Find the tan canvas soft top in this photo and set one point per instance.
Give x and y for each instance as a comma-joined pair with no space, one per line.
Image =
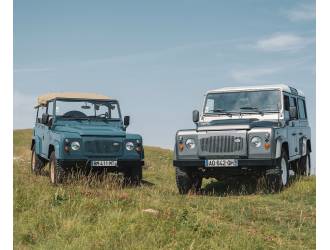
43,99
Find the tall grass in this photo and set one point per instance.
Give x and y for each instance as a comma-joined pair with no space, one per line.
89,213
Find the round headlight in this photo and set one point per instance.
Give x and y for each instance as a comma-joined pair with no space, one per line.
129,146
75,145
190,143
256,141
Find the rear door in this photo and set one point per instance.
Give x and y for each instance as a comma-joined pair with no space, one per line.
47,130
293,130
303,122
40,131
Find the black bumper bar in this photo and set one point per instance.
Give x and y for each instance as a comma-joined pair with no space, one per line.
70,163
249,163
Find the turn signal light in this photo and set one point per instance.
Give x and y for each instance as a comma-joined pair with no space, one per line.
66,148
181,147
267,146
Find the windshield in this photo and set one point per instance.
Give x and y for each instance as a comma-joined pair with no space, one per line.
105,110
243,102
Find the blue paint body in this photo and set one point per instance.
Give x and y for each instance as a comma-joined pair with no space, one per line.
98,139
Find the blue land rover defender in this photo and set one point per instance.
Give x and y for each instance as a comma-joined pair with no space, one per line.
84,130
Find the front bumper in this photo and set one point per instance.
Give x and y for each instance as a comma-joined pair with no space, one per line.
242,164
121,164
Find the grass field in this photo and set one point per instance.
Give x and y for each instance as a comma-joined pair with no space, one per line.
106,215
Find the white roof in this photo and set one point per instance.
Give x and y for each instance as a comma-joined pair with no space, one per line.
282,87
43,99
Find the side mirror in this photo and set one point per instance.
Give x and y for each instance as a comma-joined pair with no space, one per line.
195,116
44,118
293,113
126,120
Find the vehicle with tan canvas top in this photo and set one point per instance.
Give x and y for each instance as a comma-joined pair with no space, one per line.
84,131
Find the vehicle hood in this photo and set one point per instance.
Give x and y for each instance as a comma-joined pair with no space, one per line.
91,130
233,124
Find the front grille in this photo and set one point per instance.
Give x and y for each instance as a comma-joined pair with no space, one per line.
222,144
102,146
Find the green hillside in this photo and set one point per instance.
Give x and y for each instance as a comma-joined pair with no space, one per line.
92,214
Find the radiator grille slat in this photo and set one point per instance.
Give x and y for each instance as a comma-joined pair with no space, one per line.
102,147
222,144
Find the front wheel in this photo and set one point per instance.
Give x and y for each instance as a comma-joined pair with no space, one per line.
187,180
276,182
133,175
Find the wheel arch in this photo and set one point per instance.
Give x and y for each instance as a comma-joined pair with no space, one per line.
33,142
309,145
281,144
54,148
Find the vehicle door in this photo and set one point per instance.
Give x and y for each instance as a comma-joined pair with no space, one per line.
40,130
303,122
293,129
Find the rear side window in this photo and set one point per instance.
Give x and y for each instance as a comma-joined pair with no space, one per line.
293,103
302,109
50,109
41,110
286,103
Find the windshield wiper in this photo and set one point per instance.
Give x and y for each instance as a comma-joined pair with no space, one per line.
221,111
252,108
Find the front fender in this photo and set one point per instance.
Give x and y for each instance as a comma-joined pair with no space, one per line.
303,146
57,149
279,142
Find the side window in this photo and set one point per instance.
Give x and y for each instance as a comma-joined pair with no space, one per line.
302,109
41,110
286,103
293,103
50,109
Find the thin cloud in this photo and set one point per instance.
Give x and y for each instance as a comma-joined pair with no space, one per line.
27,70
252,74
24,113
283,42
161,53
303,12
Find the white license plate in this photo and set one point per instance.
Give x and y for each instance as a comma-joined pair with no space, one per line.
221,163
104,163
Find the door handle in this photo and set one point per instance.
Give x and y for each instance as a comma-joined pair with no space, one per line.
294,134
300,133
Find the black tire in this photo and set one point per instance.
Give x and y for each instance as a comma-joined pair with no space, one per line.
187,180
276,182
57,173
304,165
37,163
133,175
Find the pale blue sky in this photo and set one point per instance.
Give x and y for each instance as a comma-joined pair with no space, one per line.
158,58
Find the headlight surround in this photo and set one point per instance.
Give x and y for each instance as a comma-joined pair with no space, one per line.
190,143
75,145
256,141
129,146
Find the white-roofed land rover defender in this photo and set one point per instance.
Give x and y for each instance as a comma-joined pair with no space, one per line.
259,131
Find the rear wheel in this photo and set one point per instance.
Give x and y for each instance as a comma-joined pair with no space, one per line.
37,162
187,180
305,165
57,172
